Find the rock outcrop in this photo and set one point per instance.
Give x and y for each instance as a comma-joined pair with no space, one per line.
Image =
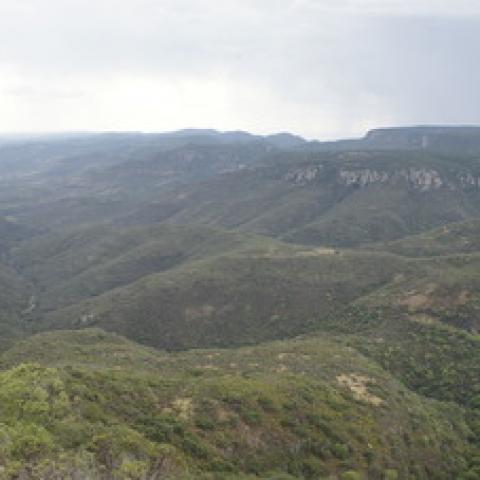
422,179
303,176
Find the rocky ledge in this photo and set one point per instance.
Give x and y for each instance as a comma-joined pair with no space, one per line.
422,179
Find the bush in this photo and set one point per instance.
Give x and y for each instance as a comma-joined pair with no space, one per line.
390,474
340,450
351,475
313,468
470,475
29,441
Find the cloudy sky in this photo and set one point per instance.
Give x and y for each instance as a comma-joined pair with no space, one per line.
320,68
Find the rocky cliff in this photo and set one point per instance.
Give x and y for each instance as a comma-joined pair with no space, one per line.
423,179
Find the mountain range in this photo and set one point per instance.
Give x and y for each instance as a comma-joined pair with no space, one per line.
222,305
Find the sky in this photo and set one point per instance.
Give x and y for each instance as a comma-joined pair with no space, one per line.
320,68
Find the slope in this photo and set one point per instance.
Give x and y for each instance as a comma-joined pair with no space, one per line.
462,237
232,299
102,407
188,286
339,199
73,264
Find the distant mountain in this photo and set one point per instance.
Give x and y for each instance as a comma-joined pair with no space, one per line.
286,140
447,139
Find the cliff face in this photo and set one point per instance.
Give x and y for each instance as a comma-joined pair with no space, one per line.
304,176
422,179
465,139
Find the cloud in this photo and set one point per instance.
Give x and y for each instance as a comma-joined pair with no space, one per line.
31,92
318,67
428,8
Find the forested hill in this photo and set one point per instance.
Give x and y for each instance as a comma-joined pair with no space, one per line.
222,305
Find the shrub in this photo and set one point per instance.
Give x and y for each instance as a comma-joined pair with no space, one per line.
29,441
340,450
390,474
351,475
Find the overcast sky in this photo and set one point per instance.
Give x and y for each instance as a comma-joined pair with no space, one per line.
320,68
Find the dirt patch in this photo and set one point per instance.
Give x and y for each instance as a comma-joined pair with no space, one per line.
314,252
195,313
463,297
210,356
223,415
250,436
358,386
423,318
208,366
416,301
318,252
183,407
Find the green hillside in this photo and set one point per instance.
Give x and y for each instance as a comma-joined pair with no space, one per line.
207,305
303,193
463,237
97,405
229,300
70,265
15,295
342,199
153,283
433,359
150,283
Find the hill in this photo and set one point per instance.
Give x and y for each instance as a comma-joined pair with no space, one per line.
442,139
337,199
275,185
306,408
55,181
465,139
462,237
153,283
330,293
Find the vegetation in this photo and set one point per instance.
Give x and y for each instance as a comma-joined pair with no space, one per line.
330,293
95,404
